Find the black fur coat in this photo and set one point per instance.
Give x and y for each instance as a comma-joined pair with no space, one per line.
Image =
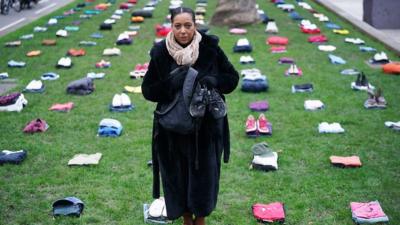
186,188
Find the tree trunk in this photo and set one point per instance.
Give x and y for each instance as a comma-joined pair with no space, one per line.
235,13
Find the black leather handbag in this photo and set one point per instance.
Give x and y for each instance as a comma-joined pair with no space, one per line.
174,116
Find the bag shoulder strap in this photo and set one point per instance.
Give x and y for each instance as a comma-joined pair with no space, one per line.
188,85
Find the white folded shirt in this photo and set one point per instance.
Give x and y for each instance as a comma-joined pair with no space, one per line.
243,42
313,104
254,77
250,71
326,48
85,159
266,161
325,127
107,122
34,85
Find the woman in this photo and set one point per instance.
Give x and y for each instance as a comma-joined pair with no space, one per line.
190,190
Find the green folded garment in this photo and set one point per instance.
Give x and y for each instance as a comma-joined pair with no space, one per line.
262,149
71,28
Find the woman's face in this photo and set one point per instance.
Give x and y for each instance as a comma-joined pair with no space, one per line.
183,28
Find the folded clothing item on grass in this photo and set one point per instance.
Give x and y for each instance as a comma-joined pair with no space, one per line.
35,126
307,87
12,102
69,206
367,212
272,212
156,212
325,127
109,128
85,159
345,161
259,106
313,105
65,107
264,158
82,86
391,68
35,86
12,157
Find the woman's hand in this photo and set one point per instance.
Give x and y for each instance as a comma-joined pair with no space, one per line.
209,81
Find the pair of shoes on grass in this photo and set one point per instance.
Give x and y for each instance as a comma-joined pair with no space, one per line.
361,83
103,64
139,71
258,127
294,70
375,100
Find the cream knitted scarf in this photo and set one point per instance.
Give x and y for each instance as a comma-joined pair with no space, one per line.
187,55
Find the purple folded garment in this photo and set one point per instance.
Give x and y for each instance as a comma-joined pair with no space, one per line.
9,99
286,60
259,106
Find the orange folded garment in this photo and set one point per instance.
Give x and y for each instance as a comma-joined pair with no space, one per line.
392,68
66,107
345,161
137,19
33,53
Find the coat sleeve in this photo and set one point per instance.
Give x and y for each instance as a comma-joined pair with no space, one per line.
155,85
228,77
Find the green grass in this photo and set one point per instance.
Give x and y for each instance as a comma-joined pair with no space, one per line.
313,191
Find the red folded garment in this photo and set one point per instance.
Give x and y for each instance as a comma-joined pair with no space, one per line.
310,31
317,38
276,40
272,212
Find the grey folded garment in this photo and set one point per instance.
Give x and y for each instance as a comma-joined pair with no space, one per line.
302,88
262,149
69,206
82,86
13,157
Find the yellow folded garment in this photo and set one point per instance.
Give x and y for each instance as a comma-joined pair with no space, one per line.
131,89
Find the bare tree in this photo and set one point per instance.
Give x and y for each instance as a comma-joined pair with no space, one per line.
235,13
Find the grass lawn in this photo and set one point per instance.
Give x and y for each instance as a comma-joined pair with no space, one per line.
314,192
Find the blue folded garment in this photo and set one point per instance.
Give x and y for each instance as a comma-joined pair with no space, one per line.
121,108
336,59
109,131
13,63
50,76
13,157
331,25
295,16
96,35
367,49
264,18
244,48
69,206
254,86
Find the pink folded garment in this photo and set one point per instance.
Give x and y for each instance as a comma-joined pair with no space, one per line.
238,31
259,106
66,107
349,161
367,210
278,49
37,125
269,212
